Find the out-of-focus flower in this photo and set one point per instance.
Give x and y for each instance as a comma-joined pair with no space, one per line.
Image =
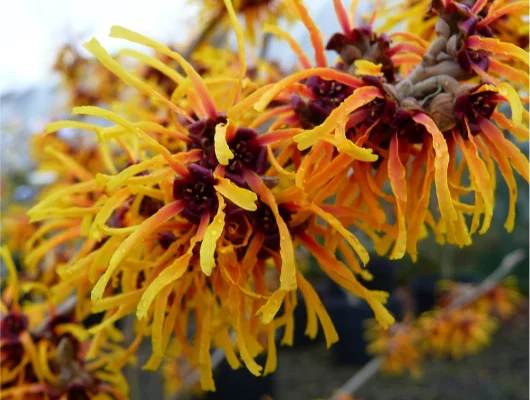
457,333
501,301
15,227
255,14
44,355
399,345
85,81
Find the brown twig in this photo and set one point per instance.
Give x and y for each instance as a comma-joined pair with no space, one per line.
508,263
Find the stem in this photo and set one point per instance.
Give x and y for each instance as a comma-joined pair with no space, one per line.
508,263
360,378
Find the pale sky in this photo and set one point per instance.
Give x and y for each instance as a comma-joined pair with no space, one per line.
31,31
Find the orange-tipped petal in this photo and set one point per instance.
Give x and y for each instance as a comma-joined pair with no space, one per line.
501,11
398,181
507,173
314,304
480,177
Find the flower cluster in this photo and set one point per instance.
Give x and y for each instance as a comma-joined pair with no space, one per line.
454,328
46,353
209,174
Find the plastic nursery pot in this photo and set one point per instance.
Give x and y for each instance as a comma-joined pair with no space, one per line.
349,322
240,384
423,288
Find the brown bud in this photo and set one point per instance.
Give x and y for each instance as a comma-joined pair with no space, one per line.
452,45
410,103
350,53
66,351
441,110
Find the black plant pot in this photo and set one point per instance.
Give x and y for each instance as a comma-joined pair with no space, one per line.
349,320
384,274
423,290
240,384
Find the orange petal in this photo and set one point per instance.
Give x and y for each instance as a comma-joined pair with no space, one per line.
507,172
337,225
288,270
499,12
495,46
441,163
205,360
480,177
359,98
314,33
342,16
516,157
314,305
324,73
397,176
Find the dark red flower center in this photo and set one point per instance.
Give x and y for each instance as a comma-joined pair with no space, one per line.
12,325
197,192
363,43
328,95
473,106
248,153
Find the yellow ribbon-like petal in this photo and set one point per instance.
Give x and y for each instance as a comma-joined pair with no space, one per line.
222,151
365,67
243,198
211,236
